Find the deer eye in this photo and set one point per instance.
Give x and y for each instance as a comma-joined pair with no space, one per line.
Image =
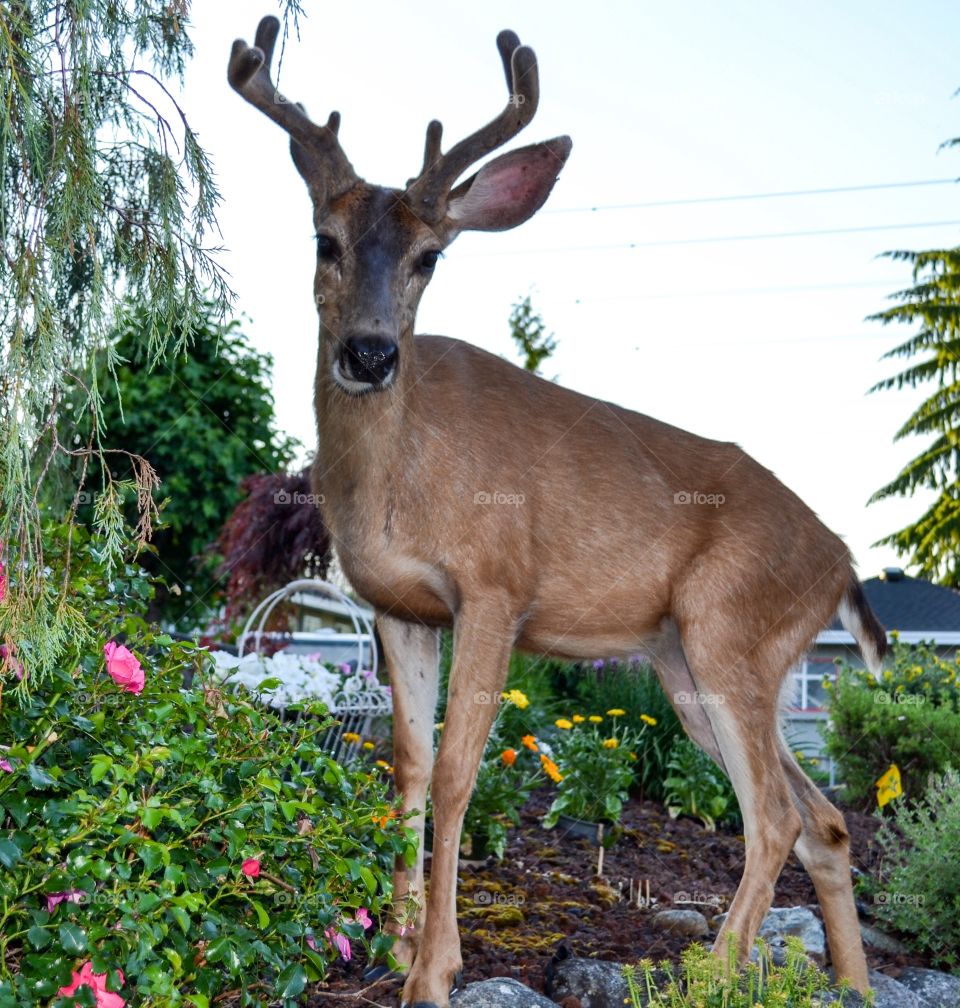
429,260
327,247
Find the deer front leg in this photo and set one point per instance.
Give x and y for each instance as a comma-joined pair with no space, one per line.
482,641
412,654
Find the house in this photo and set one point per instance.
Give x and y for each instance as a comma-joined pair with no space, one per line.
920,612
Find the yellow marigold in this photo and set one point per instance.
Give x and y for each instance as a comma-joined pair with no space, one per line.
531,743
610,743
368,746
351,737
563,723
578,719
383,764
595,718
646,719
616,712
517,697
509,756
551,769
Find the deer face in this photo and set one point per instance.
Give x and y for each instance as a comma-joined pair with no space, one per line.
375,257
377,247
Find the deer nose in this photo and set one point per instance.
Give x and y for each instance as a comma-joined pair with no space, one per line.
368,358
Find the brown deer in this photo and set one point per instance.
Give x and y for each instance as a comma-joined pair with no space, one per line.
462,491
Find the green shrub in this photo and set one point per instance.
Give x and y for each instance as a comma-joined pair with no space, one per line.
704,981
592,766
634,687
918,892
696,786
185,836
907,717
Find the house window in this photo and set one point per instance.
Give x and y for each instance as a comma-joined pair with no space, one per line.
810,694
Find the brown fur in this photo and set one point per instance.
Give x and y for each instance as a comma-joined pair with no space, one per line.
465,492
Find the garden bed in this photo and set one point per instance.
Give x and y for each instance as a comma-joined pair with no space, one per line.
513,914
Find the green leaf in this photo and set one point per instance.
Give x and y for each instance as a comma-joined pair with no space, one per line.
73,939
291,981
101,764
39,777
262,916
368,880
9,853
39,937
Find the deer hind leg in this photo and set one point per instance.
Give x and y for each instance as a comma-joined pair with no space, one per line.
482,639
412,655
824,850
743,716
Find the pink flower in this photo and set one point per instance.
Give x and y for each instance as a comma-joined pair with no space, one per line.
5,766
251,867
69,896
3,582
341,942
311,942
97,982
8,654
123,668
363,917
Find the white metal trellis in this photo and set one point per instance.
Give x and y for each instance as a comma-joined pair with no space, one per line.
351,717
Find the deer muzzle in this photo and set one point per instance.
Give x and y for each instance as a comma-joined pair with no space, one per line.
370,360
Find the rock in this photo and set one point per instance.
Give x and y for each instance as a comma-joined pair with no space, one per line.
502,992
799,922
592,982
934,989
877,939
691,923
887,991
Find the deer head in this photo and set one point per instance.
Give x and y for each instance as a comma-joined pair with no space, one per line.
377,247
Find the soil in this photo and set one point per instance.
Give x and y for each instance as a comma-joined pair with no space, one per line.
514,914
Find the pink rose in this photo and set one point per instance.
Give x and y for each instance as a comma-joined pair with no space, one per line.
312,942
341,942
123,668
363,917
5,766
70,896
251,867
97,982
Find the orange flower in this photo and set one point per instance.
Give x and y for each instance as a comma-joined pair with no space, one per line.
531,743
382,821
509,757
551,769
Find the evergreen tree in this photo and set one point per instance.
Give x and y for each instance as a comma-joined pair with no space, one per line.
932,542
106,199
529,332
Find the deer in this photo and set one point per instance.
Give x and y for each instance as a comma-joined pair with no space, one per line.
622,535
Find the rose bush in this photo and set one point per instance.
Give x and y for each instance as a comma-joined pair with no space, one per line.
163,842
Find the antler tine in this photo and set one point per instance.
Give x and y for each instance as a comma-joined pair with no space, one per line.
249,75
441,171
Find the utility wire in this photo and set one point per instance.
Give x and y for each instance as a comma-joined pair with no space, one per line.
662,243
788,193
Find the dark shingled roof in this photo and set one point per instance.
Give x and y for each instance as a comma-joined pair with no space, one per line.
910,604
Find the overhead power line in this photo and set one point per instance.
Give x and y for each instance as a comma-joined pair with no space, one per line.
661,243
739,197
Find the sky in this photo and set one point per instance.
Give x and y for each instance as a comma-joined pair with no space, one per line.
741,319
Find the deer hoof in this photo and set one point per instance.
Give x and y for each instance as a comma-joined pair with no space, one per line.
457,984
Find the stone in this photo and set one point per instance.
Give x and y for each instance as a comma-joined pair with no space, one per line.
593,982
878,939
798,922
887,991
691,923
501,992
933,988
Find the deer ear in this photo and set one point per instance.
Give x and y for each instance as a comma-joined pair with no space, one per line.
510,189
